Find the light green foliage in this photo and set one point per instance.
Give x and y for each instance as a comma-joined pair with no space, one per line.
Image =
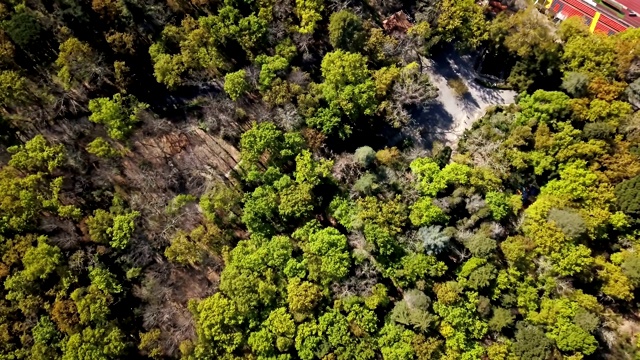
309,13
38,263
13,89
252,271
218,321
327,255
395,343
425,213
119,114
412,311
348,89
92,304
265,141
311,171
101,148
343,211
558,317
461,20
235,84
36,155
346,31
122,229
390,215
499,204
460,323
302,297
547,107
385,244
414,267
270,67
432,180
95,344
179,202
221,202
277,332
502,318
259,210
296,201
104,280
594,55
76,63
476,273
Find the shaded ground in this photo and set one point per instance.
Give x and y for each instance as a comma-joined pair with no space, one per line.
449,116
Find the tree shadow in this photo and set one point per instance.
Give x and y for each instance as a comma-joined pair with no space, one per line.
432,122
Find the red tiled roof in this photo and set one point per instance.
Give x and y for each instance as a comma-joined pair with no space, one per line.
612,23
609,21
588,10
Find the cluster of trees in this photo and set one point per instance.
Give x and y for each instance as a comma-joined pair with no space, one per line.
331,238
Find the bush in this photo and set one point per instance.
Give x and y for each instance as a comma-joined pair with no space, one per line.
101,148
364,155
571,223
575,84
628,195
388,156
531,343
480,245
501,319
235,84
598,130
458,86
366,184
433,239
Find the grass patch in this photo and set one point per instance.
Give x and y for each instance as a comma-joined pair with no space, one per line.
458,86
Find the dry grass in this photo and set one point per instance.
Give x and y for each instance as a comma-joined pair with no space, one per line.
458,86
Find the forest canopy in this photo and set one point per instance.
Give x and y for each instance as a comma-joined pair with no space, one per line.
192,179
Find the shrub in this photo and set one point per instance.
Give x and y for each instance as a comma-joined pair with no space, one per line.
433,239
458,86
628,195
364,155
235,84
366,184
571,223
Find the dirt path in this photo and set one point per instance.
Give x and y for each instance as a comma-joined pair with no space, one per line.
450,116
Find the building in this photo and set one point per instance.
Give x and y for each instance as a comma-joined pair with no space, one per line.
607,16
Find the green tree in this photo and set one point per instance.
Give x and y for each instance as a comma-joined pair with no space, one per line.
327,255
346,31
628,195
95,344
364,156
101,148
77,63
235,84
309,12
122,229
425,213
36,155
218,326
461,20
119,114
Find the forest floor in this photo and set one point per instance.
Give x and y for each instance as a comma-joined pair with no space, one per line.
451,115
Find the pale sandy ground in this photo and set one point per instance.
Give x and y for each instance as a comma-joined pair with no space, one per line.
451,116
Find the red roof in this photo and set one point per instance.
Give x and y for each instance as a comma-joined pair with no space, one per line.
610,20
